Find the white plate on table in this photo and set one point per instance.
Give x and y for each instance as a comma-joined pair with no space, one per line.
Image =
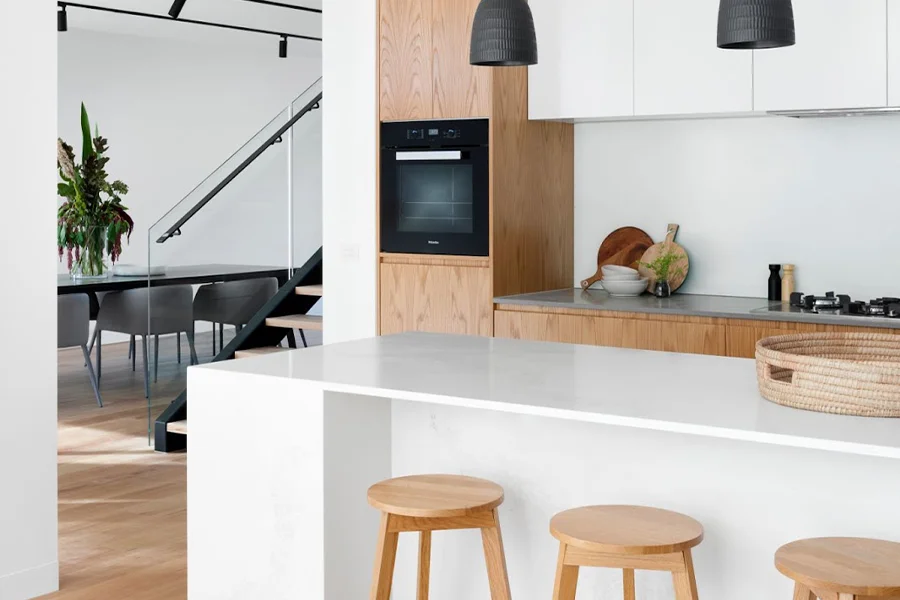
138,271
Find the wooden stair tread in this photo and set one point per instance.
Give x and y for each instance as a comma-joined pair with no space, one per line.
309,290
296,322
177,427
247,353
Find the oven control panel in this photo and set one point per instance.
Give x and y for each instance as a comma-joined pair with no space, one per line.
461,133
433,133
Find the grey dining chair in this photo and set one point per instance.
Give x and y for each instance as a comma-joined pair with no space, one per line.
170,308
73,314
232,303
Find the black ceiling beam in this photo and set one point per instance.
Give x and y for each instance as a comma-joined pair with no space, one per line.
132,13
283,5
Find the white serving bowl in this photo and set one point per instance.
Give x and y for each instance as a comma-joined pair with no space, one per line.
625,288
619,273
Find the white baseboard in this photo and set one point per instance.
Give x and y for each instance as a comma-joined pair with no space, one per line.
30,583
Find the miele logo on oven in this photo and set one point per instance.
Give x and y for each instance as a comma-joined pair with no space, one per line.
433,242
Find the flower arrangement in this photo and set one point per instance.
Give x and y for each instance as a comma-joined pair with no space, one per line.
662,266
91,221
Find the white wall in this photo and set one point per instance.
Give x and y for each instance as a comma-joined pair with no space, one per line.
173,111
822,194
28,522
348,157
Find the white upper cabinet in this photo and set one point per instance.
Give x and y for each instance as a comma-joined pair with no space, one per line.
585,67
677,67
840,60
894,52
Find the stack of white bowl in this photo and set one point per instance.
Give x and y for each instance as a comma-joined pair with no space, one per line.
622,281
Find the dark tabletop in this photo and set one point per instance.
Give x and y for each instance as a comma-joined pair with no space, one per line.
195,274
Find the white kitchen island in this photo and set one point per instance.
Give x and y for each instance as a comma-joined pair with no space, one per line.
283,448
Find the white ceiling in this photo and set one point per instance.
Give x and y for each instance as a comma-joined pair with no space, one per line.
233,12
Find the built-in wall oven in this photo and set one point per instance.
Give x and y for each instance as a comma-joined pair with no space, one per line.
435,187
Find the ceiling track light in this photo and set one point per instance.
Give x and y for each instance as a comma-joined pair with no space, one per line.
62,20
282,47
175,11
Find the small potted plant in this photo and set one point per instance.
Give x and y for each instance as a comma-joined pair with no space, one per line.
91,220
664,269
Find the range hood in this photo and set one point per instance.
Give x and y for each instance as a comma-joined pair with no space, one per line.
830,113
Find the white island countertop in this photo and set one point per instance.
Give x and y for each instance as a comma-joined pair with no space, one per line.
683,393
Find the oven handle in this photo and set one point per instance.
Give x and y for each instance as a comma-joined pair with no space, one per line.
430,155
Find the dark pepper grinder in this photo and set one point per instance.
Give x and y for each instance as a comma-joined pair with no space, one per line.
775,283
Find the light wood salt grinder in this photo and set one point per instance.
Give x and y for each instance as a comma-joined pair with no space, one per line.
787,283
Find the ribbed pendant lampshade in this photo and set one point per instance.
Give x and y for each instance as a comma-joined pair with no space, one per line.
755,24
503,34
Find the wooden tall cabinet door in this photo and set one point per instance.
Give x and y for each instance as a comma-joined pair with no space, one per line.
460,90
436,299
405,55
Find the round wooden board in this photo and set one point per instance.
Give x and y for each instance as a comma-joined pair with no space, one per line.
624,247
657,250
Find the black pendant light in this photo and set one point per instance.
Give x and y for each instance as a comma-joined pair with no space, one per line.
755,24
62,20
503,34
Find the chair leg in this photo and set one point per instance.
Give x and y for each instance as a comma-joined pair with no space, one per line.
178,344
495,557
685,582
801,592
424,565
90,346
190,338
155,358
628,583
98,336
292,341
214,340
130,347
303,338
146,367
566,577
221,336
385,555
90,367
133,356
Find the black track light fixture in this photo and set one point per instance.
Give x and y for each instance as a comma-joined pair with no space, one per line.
175,11
62,20
503,34
282,47
755,24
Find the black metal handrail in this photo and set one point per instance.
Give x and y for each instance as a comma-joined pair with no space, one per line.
175,229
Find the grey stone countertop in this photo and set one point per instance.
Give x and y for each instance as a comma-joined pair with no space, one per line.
694,305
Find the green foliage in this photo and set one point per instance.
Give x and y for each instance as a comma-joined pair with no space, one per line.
92,203
662,266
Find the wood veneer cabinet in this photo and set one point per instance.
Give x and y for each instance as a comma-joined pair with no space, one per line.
692,335
424,62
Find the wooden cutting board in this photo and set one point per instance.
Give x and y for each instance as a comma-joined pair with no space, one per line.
657,250
624,247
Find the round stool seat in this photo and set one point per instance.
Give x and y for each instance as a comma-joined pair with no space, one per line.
843,565
626,529
435,495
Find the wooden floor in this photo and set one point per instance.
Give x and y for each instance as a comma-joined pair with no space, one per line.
122,513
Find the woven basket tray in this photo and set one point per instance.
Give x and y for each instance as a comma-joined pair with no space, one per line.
842,373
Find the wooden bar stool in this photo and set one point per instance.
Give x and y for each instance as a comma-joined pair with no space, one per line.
841,568
627,538
427,503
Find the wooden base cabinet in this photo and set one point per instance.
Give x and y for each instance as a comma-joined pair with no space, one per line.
692,335
447,298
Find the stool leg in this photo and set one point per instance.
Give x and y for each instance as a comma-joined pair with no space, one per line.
495,558
566,577
424,565
628,583
385,554
685,582
801,592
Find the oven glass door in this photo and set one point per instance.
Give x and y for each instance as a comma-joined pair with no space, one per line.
435,201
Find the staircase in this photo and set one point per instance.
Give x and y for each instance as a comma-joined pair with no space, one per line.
274,324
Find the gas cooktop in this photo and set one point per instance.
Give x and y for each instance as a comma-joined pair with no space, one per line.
839,304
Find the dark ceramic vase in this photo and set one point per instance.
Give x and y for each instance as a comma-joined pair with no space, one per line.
661,289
